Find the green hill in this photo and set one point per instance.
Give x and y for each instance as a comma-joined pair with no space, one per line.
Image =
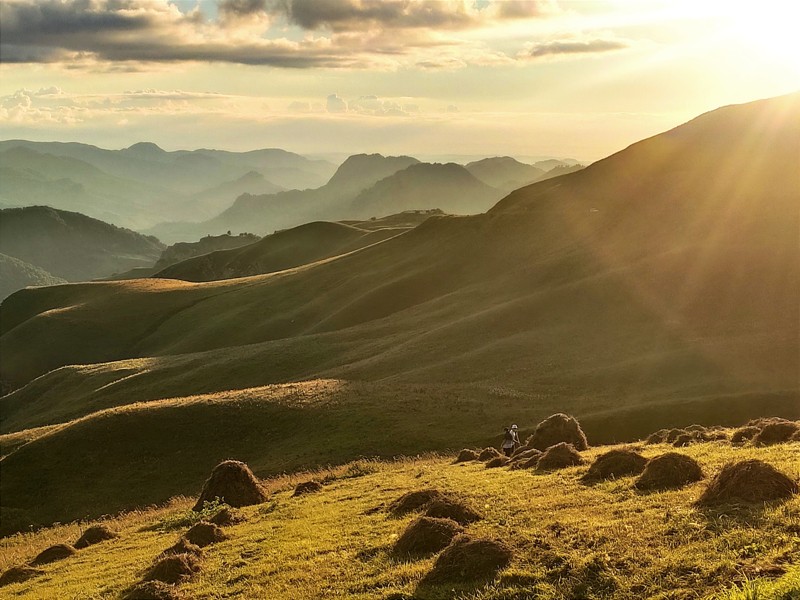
72,246
16,274
641,291
282,250
565,538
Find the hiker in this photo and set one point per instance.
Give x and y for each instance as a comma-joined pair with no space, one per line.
515,433
508,442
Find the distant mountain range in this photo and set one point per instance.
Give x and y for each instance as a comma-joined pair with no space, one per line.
143,184
16,274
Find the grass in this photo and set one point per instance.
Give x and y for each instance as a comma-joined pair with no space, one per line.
570,540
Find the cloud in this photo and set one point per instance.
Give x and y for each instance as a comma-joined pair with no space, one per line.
365,34
336,104
571,47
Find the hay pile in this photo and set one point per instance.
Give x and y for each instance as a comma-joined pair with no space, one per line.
173,569
426,535
227,516
450,508
469,559
558,456
777,432
95,535
668,471
306,487
673,434
752,481
520,450
413,501
234,484
467,455
556,429
53,553
182,546
204,533
489,454
18,575
685,439
525,455
498,461
615,463
526,460
744,434
658,437
152,590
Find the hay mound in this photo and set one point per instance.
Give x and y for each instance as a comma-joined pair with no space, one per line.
204,533
468,558
426,535
450,508
658,437
748,481
306,487
527,461
18,575
795,436
94,535
521,450
174,568
776,433
182,546
525,455
489,454
53,553
615,463
152,590
411,501
670,470
744,434
556,429
498,461
559,456
685,439
227,516
466,455
234,484
673,434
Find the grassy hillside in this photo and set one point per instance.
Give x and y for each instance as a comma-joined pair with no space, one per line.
648,289
73,246
568,539
282,250
16,274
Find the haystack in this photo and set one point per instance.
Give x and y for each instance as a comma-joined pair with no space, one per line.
521,450
227,516
204,533
685,439
152,590
18,575
466,455
615,463
451,508
53,553
752,481
523,456
670,470
94,535
658,437
559,456
411,501
527,461
182,546
234,484
469,559
306,487
174,568
489,454
744,434
776,433
795,436
498,461
556,429
673,434
426,535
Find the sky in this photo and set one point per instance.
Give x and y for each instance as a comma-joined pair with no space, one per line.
525,78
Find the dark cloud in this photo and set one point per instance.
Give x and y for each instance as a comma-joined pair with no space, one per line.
355,15
562,47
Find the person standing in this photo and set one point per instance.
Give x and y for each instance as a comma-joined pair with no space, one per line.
508,442
515,434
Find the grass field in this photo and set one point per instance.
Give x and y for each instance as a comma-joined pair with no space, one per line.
569,540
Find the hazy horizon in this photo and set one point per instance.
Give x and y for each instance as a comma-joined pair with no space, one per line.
520,78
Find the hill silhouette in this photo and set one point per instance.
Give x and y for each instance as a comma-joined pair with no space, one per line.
72,246
282,250
504,172
16,274
640,290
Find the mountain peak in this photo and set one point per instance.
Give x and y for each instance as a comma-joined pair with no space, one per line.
145,148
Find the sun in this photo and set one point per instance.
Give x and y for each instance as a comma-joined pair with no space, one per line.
769,28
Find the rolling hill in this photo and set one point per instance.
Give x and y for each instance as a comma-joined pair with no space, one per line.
72,246
656,286
16,274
